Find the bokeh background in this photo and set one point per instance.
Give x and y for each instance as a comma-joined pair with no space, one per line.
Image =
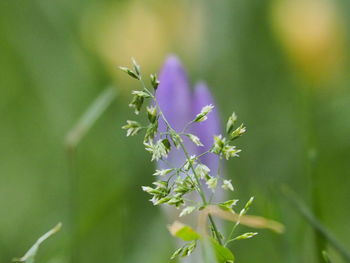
281,65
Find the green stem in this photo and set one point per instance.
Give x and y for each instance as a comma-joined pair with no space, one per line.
197,157
200,155
229,238
201,191
186,127
311,104
73,220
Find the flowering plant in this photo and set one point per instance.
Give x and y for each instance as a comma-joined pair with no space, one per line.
188,179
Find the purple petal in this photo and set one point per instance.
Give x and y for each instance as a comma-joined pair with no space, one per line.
174,99
174,94
207,129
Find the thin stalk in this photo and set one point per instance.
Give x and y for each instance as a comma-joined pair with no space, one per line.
200,155
197,157
186,127
202,195
73,192
312,142
229,237
316,224
89,118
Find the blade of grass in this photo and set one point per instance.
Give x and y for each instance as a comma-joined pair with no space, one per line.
72,140
248,220
88,119
315,223
30,255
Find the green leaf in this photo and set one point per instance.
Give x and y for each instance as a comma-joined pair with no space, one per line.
186,233
223,254
183,231
208,252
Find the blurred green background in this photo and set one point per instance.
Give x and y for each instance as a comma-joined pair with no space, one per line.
282,66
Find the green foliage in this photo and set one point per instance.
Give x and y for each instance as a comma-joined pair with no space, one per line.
223,254
183,232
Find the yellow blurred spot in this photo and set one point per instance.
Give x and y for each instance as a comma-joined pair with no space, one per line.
311,33
146,31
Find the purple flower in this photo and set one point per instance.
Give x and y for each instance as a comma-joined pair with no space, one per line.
180,105
207,129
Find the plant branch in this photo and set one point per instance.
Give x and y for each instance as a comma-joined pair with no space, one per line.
201,191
